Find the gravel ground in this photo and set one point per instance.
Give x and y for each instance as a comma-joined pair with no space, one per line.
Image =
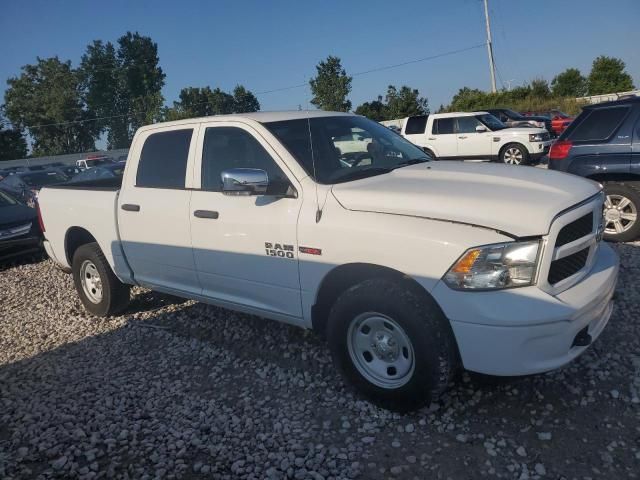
178,389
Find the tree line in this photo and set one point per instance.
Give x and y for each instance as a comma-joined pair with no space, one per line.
117,87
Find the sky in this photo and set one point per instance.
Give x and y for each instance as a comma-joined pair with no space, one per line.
267,45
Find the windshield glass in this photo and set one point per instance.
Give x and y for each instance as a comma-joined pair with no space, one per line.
513,114
491,122
344,148
41,179
6,200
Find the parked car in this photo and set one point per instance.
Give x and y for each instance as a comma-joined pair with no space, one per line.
20,232
85,163
514,119
115,170
405,264
603,144
69,171
559,120
26,185
477,135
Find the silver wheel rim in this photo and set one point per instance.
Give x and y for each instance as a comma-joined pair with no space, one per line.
380,350
620,214
91,281
513,156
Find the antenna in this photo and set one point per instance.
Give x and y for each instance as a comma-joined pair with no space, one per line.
313,165
492,65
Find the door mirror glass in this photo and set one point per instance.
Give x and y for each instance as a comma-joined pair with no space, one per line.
481,128
244,181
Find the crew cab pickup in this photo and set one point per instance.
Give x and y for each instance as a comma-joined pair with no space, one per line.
476,135
409,267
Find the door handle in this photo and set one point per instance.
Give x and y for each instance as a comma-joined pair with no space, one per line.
462,137
129,207
206,214
432,138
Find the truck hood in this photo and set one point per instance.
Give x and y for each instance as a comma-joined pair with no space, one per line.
519,201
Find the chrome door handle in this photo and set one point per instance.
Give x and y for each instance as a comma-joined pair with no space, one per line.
206,214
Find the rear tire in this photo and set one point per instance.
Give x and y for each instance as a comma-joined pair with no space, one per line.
430,153
100,291
621,212
392,343
514,154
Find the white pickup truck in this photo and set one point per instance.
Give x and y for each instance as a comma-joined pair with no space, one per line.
409,267
476,135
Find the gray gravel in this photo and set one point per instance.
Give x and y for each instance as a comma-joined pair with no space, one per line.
175,389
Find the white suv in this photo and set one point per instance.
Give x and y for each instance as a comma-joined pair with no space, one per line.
476,135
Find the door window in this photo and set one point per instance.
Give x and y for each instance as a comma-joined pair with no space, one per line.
231,147
467,124
163,161
443,126
416,125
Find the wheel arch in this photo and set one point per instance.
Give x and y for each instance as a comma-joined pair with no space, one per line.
75,238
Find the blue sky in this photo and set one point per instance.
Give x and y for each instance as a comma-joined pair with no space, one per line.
266,45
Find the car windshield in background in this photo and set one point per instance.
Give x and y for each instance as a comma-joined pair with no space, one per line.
493,123
6,200
514,115
43,178
344,148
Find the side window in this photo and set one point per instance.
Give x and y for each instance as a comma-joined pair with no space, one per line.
443,126
163,161
467,124
231,147
416,125
599,124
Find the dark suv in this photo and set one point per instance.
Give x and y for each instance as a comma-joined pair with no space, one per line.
603,144
515,119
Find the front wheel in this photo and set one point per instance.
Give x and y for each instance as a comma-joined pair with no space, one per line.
621,207
100,291
514,154
393,344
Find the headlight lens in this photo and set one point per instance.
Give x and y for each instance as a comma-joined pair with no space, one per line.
493,267
535,137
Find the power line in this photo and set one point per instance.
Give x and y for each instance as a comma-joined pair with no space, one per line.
264,92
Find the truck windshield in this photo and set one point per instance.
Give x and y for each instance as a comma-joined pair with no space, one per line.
340,149
491,122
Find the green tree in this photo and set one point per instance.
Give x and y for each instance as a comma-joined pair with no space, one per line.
45,100
331,86
374,110
244,100
405,102
12,142
539,88
123,84
608,75
569,83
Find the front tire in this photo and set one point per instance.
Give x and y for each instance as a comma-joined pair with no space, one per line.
514,154
100,291
392,343
621,209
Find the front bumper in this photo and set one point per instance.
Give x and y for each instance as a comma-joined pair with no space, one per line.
540,149
525,330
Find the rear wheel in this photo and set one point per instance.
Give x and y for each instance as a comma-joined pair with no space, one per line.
514,154
430,153
100,291
621,208
393,344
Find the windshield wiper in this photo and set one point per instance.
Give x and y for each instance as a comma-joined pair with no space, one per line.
412,161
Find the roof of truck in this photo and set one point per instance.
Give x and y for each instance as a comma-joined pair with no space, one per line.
262,117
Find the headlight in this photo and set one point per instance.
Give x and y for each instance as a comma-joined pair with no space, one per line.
535,137
493,267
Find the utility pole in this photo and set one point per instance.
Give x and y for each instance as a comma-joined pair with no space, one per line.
492,66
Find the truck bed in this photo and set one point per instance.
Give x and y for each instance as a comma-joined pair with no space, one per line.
105,184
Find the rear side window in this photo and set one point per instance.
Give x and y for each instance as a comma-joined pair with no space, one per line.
163,162
416,125
442,126
597,125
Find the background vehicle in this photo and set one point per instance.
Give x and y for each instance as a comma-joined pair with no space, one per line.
476,135
262,213
603,144
26,185
19,229
68,171
115,170
512,118
559,120
91,162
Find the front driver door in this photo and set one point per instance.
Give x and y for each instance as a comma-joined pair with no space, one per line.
471,143
245,247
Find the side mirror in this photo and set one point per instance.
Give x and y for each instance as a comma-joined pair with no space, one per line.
244,181
481,128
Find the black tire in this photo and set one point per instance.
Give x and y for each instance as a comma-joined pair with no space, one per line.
434,349
509,146
115,294
613,191
430,153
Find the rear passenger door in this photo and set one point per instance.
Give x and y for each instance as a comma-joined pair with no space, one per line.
444,139
153,209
